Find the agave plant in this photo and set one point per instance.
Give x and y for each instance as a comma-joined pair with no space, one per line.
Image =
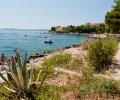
21,79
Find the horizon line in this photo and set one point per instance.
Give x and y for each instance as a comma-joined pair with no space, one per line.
23,29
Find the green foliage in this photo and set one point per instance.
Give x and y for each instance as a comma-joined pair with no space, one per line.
64,60
99,85
87,74
100,28
47,93
101,53
112,18
50,93
88,84
53,29
71,28
87,28
22,81
75,63
110,86
57,60
4,93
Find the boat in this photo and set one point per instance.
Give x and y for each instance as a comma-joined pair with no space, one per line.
48,42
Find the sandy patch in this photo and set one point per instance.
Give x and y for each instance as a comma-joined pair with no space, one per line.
115,71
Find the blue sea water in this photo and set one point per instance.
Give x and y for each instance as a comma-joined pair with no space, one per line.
34,41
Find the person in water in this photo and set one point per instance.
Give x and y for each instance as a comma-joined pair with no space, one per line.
3,61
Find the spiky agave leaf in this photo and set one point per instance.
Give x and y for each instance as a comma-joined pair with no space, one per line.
8,83
29,77
19,62
1,75
15,74
42,81
34,74
31,67
38,77
11,90
9,65
14,69
24,72
19,67
20,77
12,81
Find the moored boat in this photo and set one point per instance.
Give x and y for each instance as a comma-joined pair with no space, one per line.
48,42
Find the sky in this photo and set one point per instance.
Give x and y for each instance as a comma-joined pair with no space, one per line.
43,14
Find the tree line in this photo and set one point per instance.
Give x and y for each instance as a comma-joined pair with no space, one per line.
87,28
110,25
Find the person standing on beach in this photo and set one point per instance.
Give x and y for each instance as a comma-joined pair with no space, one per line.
12,60
3,61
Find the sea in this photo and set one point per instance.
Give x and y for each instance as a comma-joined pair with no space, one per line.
32,41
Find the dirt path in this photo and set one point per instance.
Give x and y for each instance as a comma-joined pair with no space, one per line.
67,71
116,72
117,56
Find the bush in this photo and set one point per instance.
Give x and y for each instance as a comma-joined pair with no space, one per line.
101,53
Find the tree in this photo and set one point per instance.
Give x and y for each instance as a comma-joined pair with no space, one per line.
112,18
72,28
100,28
53,29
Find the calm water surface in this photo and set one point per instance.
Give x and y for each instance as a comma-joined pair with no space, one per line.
34,41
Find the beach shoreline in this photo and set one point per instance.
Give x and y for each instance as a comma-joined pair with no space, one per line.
87,35
79,52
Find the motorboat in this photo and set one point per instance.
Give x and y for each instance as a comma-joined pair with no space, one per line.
48,42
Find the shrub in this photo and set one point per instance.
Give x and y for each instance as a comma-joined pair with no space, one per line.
101,53
110,86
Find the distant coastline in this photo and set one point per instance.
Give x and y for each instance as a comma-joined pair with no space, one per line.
25,29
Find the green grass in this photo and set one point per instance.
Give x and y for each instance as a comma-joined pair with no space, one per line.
57,60
48,93
88,85
84,85
64,60
5,94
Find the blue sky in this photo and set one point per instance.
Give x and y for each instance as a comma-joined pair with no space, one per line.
42,14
